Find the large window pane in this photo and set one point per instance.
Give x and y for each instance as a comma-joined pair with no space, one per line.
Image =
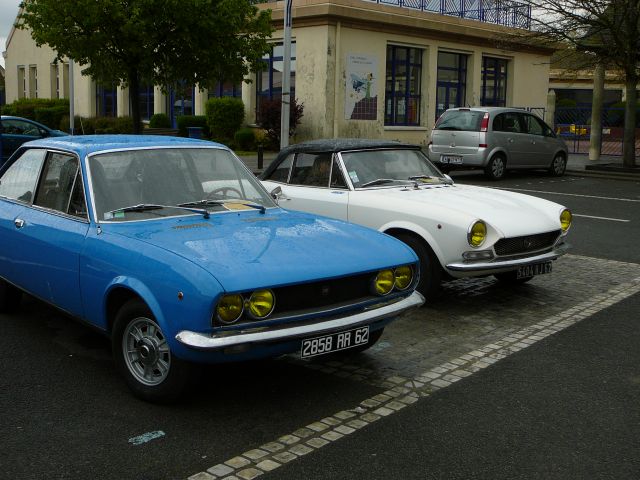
403,86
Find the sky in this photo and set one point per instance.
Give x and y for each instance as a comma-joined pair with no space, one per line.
8,12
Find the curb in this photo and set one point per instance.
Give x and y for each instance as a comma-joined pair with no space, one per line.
630,177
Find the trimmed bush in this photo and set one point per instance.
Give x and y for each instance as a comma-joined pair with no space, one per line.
51,116
159,120
245,139
186,121
270,119
224,117
26,107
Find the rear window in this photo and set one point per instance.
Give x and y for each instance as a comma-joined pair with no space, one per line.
463,120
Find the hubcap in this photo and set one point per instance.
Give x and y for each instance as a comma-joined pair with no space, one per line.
559,164
146,352
498,168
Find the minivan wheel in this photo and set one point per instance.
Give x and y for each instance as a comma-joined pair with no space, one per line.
558,165
496,167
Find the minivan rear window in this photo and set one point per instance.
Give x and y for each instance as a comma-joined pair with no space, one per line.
463,120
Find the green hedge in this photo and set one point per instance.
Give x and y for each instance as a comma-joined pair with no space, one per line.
26,107
159,120
245,139
51,116
225,116
186,121
98,125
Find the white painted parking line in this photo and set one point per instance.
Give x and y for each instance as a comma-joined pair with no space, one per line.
602,218
632,200
406,391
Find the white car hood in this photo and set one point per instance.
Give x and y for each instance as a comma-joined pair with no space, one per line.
512,214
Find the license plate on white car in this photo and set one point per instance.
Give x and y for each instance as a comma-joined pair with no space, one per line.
334,342
535,269
452,159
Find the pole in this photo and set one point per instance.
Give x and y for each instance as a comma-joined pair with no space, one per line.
286,78
71,97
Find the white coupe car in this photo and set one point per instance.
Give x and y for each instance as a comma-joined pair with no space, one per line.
456,230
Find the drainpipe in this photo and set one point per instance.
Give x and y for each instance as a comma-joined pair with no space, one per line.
286,78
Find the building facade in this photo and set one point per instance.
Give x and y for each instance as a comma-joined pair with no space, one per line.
361,68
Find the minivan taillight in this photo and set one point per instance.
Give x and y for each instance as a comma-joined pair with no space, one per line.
484,125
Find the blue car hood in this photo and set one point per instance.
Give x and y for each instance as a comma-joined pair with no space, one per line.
247,250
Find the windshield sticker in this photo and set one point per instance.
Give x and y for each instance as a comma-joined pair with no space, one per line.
354,176
236,206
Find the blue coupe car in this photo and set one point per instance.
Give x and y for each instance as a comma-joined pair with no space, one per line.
173,248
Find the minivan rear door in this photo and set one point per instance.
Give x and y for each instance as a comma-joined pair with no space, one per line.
509,135
456,134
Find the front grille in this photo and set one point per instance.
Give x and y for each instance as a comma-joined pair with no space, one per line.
322,294
526,243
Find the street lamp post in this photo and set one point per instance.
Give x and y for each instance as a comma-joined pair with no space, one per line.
286,78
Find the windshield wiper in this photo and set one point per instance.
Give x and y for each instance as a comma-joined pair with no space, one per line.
431,177
141,207
380,181
207,201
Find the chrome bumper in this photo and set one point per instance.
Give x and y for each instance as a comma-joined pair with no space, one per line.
202,341
506,265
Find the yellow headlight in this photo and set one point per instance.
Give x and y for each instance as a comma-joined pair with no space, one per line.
261,303
403,277
477,234
229,308
565,220
383,284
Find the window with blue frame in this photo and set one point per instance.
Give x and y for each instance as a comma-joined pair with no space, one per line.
180,101
106,101
452,81
226,89
269,80
403,86
146,101
494,82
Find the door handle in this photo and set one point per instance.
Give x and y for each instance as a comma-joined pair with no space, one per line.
511,140
18,222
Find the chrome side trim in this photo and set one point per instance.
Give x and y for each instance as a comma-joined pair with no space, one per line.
202,341
505,265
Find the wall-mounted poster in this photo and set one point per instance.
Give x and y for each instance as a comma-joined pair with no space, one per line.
361,102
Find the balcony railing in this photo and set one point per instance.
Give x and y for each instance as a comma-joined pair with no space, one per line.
500,12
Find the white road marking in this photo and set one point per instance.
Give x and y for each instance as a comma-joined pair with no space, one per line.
602,218
316,435
632,200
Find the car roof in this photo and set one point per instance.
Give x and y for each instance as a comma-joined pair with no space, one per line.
87,144
13,117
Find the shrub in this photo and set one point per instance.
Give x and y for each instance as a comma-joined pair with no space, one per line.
186,121
245,139
26,107
224,117
270,119
51,116
159,120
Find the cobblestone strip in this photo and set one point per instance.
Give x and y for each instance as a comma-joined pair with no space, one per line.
402,392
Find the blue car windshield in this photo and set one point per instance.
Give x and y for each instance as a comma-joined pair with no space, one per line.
150,183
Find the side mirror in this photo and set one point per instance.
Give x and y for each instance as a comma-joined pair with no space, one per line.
276,193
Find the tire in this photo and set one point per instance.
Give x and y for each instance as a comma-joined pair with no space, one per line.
10,297
430,271
496,168
143,357
558,165
510,278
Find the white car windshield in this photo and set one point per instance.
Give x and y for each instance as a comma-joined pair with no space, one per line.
371,168
149,183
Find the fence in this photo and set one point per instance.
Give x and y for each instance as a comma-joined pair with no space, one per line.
573,124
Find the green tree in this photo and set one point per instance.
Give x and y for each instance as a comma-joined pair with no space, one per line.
158,42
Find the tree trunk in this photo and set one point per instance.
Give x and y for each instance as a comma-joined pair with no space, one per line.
134,98
595,139
629,141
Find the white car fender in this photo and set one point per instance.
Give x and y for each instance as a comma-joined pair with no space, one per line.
418,230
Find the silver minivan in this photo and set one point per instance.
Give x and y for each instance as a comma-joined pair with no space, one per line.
495,139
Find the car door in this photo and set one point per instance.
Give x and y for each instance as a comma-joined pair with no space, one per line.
542,145
509,136
46,233
315,185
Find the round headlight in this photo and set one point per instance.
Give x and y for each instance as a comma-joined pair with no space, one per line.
384,281
229,308
403,277
477,233
565,220
261,303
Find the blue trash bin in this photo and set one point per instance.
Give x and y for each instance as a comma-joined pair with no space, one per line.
195,132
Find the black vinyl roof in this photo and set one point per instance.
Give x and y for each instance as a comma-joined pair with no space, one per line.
334,145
